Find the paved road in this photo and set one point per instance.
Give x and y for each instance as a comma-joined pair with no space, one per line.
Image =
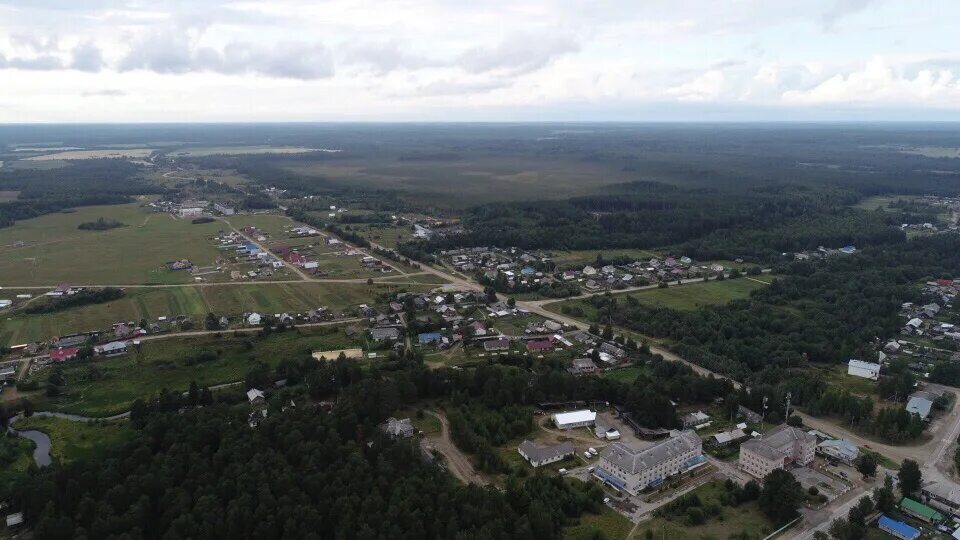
458,463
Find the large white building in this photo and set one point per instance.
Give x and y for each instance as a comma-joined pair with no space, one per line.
632,470
574,419
778,448
867,370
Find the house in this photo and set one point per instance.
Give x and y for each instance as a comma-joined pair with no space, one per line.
897,529
749,415
499,344
478,328
552,326
398,428
839,449
385,333
427,338
545,455
695,419
920,404
62,354
589,271
612,350
943,496
14,520
540,345
254,319
777,449
8,373
866,370
574,419
582,366
255,396
727,437
633,470
111,349
921,511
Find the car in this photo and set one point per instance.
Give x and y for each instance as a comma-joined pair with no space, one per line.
591,469
562,471
606,500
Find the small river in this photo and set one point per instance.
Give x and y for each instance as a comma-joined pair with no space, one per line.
41,454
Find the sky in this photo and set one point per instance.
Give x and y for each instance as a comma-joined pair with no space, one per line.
478,60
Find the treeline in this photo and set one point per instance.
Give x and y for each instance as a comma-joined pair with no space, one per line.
757,224
101,224
478,430
826,309
83,183
82,298
192,476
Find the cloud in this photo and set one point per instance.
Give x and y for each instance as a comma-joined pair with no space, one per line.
841,9
384,57
706,87
39,44
878,82
518,54
43,62
176,52
455,87
104,93
87,57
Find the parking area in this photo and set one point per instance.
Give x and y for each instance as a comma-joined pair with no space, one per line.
826,484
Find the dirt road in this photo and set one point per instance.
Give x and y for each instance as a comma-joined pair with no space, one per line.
457,462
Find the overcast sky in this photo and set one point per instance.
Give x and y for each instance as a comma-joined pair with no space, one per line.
497,60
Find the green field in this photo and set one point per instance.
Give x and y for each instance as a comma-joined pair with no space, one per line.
55,251
71,440
745,517
613,525
690,296
272,224
578,259
110,386
240,150
195,302
625,375
388,236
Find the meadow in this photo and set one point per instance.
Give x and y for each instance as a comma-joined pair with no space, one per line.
193,301
94,154
689,296
54,251
735,520
109,386
71,440
242,150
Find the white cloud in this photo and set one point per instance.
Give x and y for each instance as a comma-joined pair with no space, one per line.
878,82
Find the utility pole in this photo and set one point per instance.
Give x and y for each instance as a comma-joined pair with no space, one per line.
787,416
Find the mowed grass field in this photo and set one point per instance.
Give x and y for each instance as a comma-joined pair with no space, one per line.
55,251
109,386
690,296
193,301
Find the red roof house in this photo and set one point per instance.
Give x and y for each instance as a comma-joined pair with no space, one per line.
537,345
63,353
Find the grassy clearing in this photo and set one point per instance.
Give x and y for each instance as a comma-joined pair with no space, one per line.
71,440
110,386
195,302
241,150
272,224
746,517
387,236
836,376
425,278
578,259
613,525
55,251
626,375
690,296
94,154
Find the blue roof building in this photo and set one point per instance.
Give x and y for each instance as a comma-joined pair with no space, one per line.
897,528
528,271
429,337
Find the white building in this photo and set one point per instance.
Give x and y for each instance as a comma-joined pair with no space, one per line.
574,419
633,470
839,449
223,209
191,212
867,370
778,448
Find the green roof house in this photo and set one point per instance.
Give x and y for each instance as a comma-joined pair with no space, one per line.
920,511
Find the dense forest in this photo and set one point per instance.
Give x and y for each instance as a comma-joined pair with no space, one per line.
82,183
